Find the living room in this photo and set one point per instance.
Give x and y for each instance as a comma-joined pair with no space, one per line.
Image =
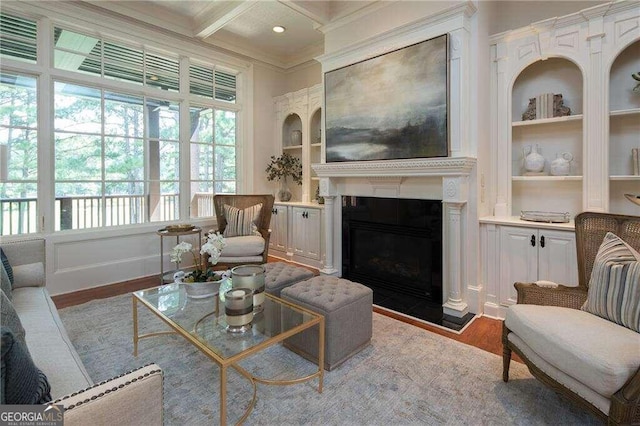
479,181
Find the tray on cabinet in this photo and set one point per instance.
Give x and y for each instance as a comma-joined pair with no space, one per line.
548,217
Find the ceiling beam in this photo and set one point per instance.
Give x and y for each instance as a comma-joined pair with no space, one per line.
316,11
219,14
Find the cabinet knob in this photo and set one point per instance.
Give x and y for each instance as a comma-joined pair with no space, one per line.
533,240
542,241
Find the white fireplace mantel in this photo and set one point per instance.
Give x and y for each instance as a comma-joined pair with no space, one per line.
454,172
449,166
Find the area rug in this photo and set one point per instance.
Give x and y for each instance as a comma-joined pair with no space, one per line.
407,376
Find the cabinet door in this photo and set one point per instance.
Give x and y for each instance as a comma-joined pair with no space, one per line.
518,260
278,240
312,234
557,260
305,238
298,231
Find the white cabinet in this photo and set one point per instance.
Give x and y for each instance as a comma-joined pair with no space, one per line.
278,239
297,233
305,233
530,254
516,251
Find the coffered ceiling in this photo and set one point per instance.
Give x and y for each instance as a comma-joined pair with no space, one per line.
245,27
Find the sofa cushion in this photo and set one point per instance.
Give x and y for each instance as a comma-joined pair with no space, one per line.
29,275
250,245
598,353
9,318
614,287
7,265
22,381
5,282
241,221
48,342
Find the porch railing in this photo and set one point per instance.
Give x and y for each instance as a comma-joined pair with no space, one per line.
19,215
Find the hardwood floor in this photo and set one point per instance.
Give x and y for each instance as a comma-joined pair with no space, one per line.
484,333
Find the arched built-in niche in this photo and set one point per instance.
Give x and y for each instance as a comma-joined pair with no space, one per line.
292,123
624,129
315,150
553,136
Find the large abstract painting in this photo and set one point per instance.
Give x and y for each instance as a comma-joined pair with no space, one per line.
391,106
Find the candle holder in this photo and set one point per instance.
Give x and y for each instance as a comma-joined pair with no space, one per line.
238,309
250,276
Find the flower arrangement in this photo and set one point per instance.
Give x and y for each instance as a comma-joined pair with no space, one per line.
212,249
283,166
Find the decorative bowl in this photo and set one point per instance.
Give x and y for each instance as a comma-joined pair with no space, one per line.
199,290
179,228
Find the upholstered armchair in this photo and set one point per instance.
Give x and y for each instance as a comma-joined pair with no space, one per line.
593,361
245,227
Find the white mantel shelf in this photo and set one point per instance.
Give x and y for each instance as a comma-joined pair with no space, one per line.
455,166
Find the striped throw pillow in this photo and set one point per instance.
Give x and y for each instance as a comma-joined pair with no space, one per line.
241,222
614,287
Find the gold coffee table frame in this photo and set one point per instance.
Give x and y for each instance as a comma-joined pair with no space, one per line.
225,362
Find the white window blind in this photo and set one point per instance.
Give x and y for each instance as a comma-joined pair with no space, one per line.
212,84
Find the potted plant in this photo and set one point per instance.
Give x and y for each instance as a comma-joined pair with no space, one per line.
203,280
280,169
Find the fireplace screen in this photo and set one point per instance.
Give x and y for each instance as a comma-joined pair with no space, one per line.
394,245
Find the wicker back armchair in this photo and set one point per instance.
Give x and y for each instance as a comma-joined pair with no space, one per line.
590,230
263,222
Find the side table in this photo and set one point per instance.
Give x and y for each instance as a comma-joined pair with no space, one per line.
166,233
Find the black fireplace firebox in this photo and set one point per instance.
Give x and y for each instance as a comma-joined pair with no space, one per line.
394,246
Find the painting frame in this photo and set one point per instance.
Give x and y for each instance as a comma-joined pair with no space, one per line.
391,106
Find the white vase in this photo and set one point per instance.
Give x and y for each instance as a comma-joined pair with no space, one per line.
561,166
296,138
284,194
533,160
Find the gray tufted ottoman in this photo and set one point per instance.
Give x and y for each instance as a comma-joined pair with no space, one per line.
347,310
279,275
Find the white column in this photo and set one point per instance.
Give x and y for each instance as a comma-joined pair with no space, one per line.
328,191
455,305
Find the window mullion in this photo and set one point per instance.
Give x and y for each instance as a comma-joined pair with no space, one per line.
185,142
46,138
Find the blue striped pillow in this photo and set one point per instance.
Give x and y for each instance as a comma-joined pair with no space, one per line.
614,287
241,222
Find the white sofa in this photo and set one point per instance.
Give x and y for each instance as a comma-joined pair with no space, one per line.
134,398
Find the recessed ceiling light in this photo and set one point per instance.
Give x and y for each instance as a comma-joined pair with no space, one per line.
279,29
153,77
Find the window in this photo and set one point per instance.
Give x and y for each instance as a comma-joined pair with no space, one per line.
213,157
213,84
89,55
117,158
18,38
18,154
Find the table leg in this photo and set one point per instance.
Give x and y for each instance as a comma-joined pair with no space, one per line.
135,326
223,395
321,354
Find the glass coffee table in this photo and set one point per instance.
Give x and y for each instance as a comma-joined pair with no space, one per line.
200,322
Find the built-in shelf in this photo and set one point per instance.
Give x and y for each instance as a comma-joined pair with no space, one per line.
547,120
620,112
545,178
316,145
516,221
624,177
285,148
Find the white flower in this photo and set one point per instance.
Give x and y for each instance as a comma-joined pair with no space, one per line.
213,246
179,250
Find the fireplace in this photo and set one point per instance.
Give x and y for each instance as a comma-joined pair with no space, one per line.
394,246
